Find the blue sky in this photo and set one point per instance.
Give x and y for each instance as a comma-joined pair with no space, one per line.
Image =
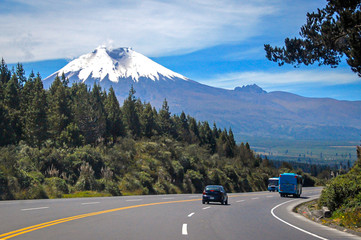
215,42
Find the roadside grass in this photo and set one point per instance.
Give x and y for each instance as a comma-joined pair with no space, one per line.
83,194
349,219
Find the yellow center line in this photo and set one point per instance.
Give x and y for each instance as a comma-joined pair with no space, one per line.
68,219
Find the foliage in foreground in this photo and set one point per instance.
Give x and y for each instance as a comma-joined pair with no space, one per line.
343,196
148,166
329,34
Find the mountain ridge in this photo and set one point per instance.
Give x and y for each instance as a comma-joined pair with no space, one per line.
249,110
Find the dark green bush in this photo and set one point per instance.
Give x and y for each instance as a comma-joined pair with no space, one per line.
86,180
343,190
35,191
109,187
4,188
55,187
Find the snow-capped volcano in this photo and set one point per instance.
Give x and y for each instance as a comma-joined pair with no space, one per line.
115,64
250,111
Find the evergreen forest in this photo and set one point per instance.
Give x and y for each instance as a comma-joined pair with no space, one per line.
78,141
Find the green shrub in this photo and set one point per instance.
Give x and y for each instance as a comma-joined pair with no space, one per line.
131,184
4,187
146,181
55,187
341,190
159,188
217,177
86,180
165,187
35,191
85,183
308,180
196,179
109,187
36,177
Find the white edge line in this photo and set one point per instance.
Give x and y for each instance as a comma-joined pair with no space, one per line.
190,215
289,224
168,198
133,200
30,209
184,229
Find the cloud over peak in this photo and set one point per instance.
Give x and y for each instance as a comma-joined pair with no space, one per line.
55,29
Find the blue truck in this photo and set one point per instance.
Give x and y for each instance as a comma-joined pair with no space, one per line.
290,184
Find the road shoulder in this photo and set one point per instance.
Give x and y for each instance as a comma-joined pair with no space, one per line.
303,210
286,214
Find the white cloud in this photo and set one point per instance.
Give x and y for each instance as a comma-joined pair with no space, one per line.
286,81
56,29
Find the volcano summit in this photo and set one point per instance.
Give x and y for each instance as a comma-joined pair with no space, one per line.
114,65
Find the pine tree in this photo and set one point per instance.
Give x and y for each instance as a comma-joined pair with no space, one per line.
26,98
130,114
5,73
35,114
7,134
89,113
83,111
31,77
64,80
165,121
71,136
207,137
215,131
183,128
224,145
148,121
184,121
99,112
193,127
328,35
231,138
59,112
114,123
11,93
20,73
12,103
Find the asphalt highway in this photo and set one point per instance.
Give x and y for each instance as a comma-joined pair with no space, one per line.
257,215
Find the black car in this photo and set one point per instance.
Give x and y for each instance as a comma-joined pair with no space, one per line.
214,193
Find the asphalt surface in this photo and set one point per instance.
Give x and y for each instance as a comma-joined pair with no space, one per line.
258,215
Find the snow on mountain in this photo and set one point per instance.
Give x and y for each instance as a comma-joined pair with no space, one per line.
115,64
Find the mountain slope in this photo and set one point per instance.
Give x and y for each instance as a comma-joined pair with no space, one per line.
249,110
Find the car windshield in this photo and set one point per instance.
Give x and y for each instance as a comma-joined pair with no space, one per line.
215,188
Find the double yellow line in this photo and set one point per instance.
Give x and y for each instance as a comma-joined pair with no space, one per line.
68,219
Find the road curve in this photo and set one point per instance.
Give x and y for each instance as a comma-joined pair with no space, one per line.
258,215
